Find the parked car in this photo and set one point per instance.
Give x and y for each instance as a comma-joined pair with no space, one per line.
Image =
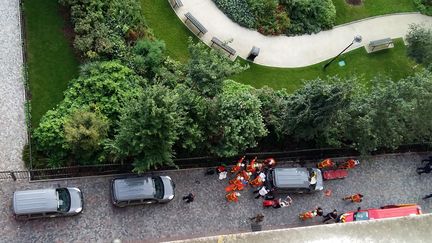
47,203
389,211
141,190
294,180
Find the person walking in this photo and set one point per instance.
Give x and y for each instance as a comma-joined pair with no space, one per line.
189,198
332,215
262,192
356,198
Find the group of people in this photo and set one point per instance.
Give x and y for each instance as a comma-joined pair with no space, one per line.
244,174
355,198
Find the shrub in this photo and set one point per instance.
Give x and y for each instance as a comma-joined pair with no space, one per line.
310,16
424,6
420,44
238,11
102,37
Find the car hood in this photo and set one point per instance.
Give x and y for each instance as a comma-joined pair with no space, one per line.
76,200
168,188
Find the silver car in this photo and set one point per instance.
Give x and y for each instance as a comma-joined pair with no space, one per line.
47,203
295,180
141,190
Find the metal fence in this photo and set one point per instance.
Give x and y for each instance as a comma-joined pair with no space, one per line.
300,157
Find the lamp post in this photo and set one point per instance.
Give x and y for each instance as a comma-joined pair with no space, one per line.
357,39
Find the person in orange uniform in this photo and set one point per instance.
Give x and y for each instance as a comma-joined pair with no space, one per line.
245,175
356,198
239,165
325,164
258,181
349,164
232,196
311,214
251,166
270,162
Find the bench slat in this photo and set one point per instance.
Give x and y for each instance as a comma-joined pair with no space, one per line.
386,41
224,46
196,23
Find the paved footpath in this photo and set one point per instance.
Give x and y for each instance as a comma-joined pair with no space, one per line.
12,119
298,51
383,180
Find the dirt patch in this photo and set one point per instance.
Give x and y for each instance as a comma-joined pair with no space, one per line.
354,2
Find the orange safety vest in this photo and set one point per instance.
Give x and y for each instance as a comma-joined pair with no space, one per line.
256,182
232,197
251,166
325,163
356,198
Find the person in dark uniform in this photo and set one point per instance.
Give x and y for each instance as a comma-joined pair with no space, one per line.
426,169
332,215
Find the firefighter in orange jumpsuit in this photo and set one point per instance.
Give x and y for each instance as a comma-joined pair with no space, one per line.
311,214
325,164
258,181
251,166
232,196
349,164
239,165
236,186
245,175
356,198
270,162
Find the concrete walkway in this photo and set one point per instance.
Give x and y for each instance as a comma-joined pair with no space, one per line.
12,119
298,51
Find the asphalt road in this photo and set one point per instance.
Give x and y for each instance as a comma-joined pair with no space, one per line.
382,180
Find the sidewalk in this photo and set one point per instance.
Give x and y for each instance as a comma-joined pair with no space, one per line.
298,51
13,135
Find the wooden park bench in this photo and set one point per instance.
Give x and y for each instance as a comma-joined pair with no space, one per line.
379,45
201,29
176,3
223,46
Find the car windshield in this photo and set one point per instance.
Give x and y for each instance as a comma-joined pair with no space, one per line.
358,216
159,187
63,200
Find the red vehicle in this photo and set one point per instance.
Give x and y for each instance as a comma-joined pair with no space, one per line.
389,211
335,174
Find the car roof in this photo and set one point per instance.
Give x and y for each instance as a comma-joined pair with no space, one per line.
35,201
133,188
291,178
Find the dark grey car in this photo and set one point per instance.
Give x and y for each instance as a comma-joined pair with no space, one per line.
295,180
142,190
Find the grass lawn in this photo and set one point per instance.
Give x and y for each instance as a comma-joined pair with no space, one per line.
51,61
347,13
394,63
391,62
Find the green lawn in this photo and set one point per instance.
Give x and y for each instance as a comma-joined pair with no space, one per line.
394,63
347,13
51,61
391,62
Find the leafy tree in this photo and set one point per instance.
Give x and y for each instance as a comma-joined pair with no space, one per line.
103,86
238,122
274,105
148,128
84,133
317,110
207,68
420,44
148,57
393,113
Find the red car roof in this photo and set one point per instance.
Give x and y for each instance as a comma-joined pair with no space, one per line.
390,212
